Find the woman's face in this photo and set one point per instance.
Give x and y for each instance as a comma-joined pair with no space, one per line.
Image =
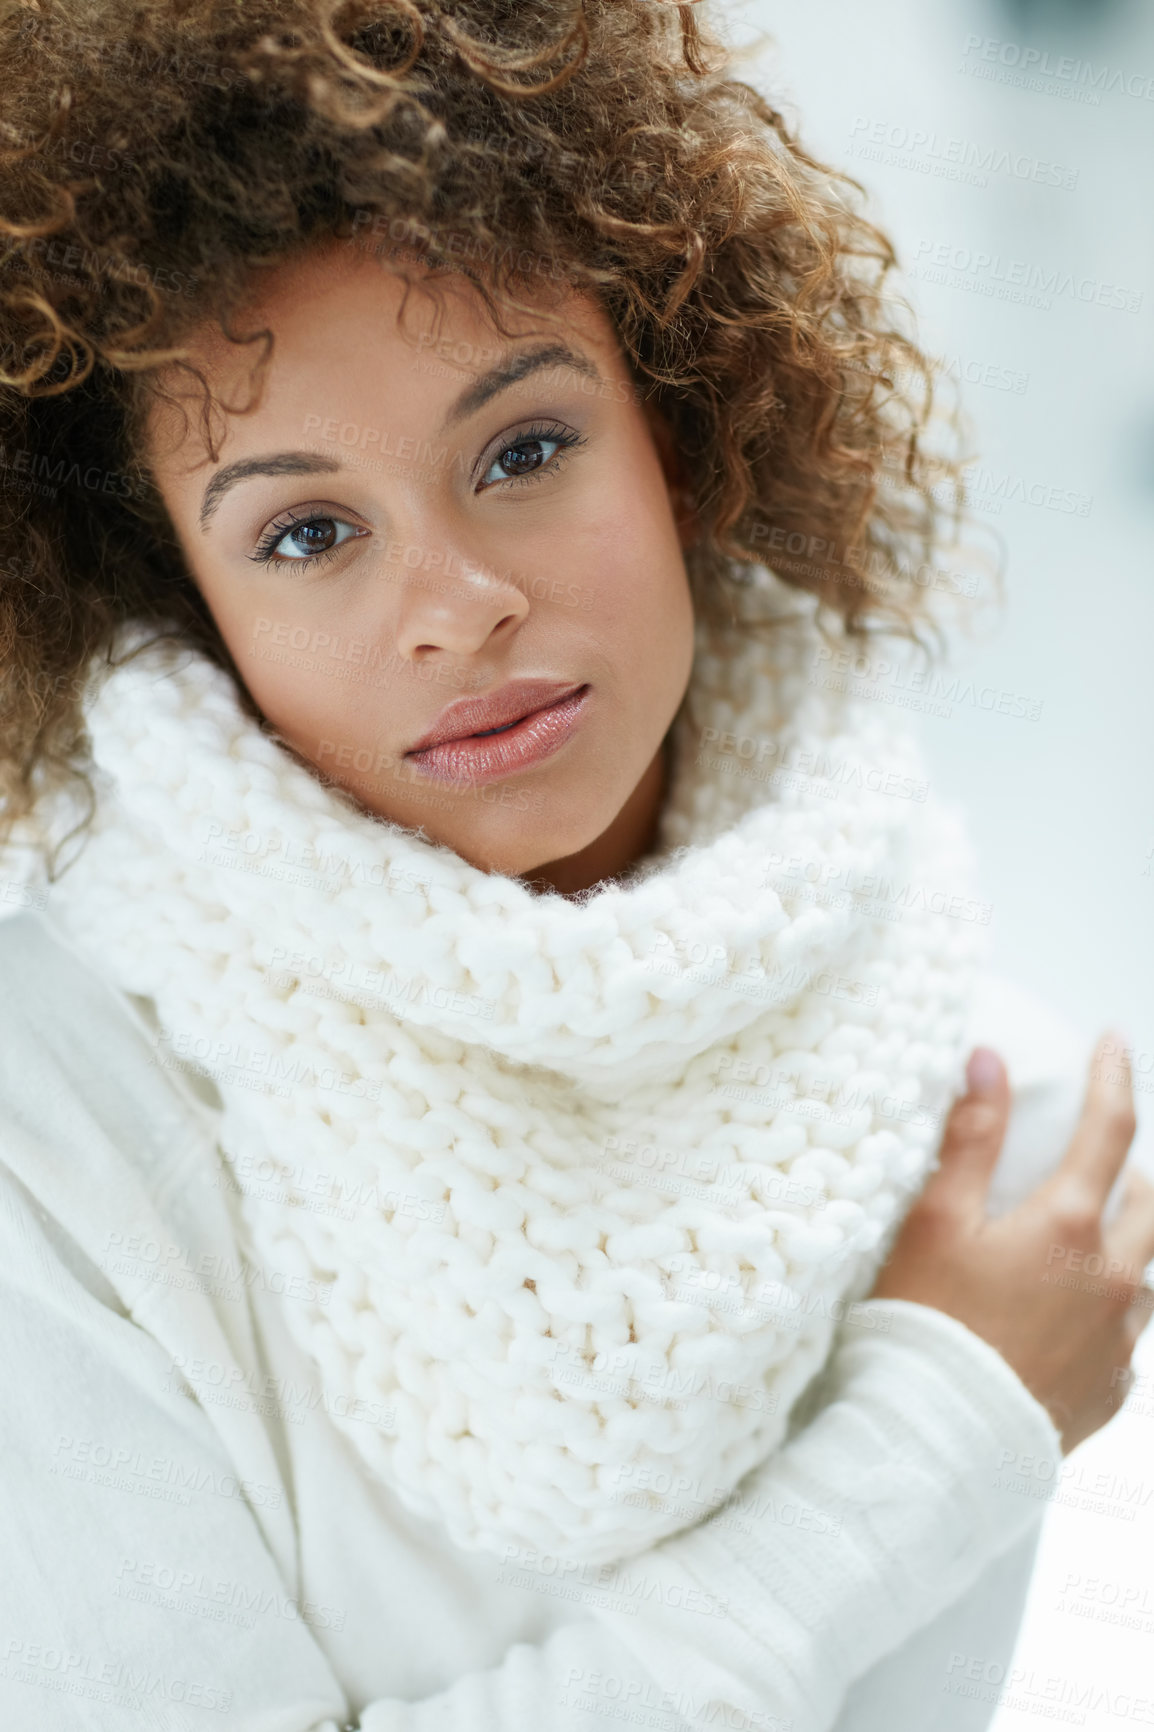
417,527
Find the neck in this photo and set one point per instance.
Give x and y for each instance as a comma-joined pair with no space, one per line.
630,836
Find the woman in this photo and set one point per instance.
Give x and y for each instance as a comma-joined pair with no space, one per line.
463,826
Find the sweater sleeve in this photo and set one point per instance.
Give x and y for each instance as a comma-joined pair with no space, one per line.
916,1472
125,1508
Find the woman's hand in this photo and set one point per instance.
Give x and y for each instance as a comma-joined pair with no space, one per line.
1054,1291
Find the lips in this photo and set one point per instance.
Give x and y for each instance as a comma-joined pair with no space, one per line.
520,742
471,717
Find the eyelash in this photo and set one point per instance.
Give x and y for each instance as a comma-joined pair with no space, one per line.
555,433
564,437
265,551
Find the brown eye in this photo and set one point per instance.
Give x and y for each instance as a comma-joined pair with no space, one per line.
538,451
522,458
304,539
315,536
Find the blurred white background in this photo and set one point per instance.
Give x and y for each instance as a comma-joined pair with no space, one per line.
1061,806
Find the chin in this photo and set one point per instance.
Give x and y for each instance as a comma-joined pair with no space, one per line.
518,857
515,862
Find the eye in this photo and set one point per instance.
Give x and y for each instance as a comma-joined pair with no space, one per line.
303,539
531,454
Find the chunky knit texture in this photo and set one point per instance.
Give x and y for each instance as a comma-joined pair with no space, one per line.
579,1187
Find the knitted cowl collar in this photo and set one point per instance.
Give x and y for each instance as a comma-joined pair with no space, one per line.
579,1187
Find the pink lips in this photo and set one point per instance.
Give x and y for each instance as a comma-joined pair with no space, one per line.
534,719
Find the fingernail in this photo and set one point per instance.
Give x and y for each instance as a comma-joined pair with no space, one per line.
984,1071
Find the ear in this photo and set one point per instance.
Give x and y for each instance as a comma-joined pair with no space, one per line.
673,468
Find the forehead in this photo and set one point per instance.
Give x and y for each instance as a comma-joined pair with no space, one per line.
347,326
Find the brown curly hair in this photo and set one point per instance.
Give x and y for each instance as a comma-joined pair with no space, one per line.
156,154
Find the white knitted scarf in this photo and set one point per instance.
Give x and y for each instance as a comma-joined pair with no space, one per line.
576,1189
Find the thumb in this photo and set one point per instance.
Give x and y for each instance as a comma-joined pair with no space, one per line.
973,1137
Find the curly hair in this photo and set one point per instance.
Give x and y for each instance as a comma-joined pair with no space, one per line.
157,154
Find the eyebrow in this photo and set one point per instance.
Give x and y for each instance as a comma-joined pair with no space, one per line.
508,372
280,463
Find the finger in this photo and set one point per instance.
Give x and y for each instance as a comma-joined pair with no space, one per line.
1103,1134
973,1137
1129,1240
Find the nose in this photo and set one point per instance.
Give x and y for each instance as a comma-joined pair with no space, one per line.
452,605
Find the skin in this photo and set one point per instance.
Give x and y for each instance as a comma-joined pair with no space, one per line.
524,560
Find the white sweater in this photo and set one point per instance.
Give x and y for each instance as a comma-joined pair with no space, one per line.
229,1563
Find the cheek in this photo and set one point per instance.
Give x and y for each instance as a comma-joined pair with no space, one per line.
311,661
303,690
302,705
631,556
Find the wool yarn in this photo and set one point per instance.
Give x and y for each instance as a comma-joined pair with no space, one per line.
578,1189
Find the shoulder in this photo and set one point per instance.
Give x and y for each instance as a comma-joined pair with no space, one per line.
90,1121
69,1036
48,995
